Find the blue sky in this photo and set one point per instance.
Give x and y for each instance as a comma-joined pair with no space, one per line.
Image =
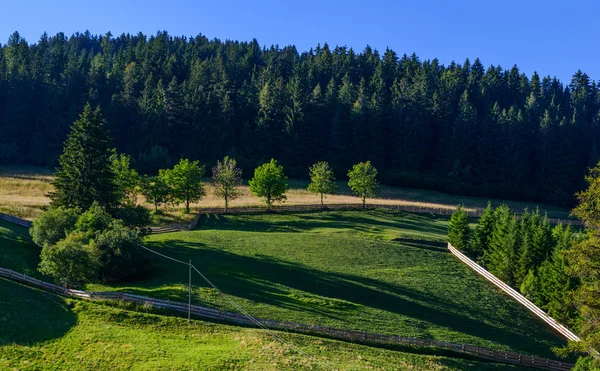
551,37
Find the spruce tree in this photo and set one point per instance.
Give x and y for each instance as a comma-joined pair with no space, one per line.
501,258
483,233
84,175
459,232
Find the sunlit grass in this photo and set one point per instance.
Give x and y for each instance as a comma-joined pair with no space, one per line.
377,271
64,334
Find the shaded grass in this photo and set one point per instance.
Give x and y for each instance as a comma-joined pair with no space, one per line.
64,334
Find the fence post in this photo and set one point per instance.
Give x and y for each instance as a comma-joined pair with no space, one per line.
190,292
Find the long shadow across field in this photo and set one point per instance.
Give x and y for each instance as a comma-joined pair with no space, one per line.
256,279
29,316
325,220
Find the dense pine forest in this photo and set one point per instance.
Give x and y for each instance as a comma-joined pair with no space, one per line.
463,128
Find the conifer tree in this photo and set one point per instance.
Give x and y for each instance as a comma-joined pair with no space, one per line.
459,232
483,233
84,175
502,256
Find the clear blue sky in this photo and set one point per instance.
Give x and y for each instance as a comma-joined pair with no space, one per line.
551,37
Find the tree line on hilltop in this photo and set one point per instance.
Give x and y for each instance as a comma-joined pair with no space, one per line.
458,127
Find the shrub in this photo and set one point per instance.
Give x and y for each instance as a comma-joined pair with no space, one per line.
69,261
53,225
96,218
118,253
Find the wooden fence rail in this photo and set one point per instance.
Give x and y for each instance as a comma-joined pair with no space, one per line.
356,336
15,220
515,295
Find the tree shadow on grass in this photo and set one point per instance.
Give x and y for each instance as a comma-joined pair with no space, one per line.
260,279
30,316
332,220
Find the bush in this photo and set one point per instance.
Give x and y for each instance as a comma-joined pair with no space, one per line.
135,216
96,218
53,225
69,261
117,252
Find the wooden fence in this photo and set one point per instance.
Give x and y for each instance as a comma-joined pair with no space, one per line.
15,220
515,295
349,335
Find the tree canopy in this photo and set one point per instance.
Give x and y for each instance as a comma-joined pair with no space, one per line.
322,180
362,180
462,127
226,179
269,182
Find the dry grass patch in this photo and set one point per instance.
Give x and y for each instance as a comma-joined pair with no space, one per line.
23,191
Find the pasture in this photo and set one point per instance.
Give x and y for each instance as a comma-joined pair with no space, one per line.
378,271
40,331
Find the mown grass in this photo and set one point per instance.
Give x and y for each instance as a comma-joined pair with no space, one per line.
40,331
378,271
23,191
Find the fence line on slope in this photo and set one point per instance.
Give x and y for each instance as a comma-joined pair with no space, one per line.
515,295
349,335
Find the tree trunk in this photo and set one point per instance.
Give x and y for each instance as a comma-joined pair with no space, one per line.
364,199
187,206
322,202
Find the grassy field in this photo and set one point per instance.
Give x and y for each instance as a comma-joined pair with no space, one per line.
23,193
40,331
377,271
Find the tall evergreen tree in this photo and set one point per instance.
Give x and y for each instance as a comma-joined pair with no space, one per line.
85,175
483,233
502,256
459,232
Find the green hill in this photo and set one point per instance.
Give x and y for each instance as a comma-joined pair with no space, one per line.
377,271
40,331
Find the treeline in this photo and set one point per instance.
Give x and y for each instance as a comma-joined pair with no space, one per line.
524,251
556,267
458,127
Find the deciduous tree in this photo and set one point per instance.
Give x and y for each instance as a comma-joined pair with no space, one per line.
322,180
362,181
226,179
269,182
185,181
